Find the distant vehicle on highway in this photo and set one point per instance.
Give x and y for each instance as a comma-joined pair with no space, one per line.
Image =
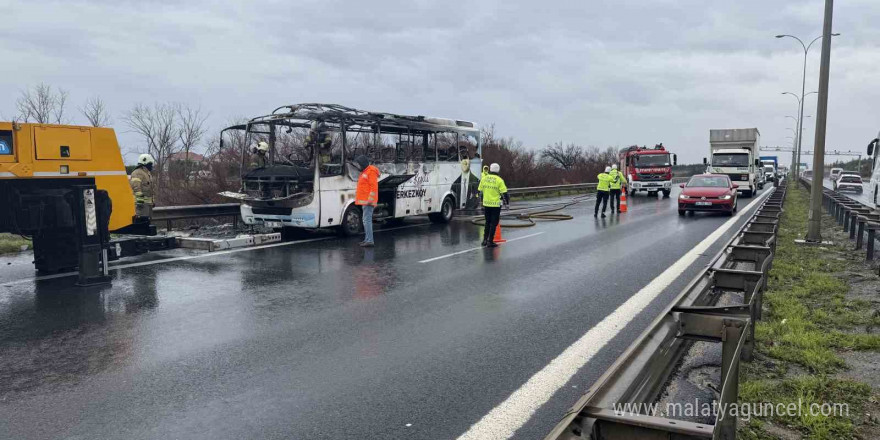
297,170
807,174
770,165
769,173
708,192
648,169
835,173
734,152
848,182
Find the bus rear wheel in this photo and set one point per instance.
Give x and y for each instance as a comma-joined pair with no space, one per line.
352,222
446,213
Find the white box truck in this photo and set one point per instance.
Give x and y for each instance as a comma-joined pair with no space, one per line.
734,152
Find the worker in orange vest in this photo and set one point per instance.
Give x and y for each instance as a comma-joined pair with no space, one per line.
367,195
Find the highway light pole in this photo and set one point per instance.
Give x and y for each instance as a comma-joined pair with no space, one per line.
796,155
794,163
814,230
803,89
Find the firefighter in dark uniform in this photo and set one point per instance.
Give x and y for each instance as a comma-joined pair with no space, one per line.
141,182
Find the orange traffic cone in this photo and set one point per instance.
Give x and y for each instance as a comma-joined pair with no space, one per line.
623,201
498,238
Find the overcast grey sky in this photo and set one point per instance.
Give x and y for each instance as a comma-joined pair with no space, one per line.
604,73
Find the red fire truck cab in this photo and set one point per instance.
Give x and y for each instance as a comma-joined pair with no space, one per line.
648,169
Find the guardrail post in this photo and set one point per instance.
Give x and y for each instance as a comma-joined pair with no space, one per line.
871,230
732,333
860,234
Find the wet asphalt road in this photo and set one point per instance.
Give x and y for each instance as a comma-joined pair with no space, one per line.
323,339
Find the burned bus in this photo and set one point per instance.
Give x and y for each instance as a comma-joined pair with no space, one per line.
297,167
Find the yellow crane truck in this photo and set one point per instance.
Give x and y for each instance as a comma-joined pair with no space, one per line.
66,188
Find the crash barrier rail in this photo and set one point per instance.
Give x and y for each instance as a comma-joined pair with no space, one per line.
170,213
857,218
585,187
639,376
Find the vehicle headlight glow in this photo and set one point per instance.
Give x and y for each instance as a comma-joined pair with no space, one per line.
684,196
727,197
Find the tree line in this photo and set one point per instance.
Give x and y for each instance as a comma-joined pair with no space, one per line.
175,130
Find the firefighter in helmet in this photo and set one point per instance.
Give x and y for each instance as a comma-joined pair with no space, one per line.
142,185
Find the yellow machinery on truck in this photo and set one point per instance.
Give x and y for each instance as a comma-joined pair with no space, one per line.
66,188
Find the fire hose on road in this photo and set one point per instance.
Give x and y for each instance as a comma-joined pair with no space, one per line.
527,219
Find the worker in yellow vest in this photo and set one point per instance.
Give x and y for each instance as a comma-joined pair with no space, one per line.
494,192
617,182
602,190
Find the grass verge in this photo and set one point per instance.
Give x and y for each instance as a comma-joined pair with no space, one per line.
13,243
810,321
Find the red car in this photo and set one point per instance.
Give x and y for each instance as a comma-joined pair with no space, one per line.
708,192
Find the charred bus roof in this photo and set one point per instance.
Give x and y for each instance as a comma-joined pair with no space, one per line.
358,120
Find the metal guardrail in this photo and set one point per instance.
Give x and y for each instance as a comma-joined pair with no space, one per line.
551,188
169,213
639,375
186,212
856,218
569,187
165,213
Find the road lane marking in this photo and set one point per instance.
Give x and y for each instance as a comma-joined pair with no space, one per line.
192,257
504,420
476,248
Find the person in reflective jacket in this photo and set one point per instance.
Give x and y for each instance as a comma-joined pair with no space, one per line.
617,182
367,195
602,190
494,192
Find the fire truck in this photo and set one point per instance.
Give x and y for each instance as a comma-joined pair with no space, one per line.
648,169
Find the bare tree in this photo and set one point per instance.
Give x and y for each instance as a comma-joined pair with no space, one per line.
60,103
564,156
42,104
160,130
96,112
192,130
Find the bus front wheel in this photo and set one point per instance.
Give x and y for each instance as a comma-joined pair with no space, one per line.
446,213
352,222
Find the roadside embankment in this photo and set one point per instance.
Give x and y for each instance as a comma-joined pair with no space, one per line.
10,243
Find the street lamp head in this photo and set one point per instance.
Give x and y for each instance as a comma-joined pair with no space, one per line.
835,35
780,36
